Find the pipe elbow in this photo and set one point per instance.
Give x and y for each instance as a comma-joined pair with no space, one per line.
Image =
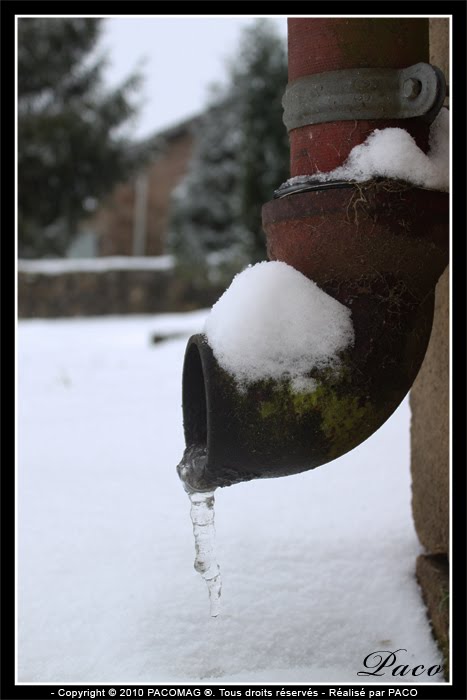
379,250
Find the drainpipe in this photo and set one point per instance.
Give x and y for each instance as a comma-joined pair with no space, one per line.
321,46
377,247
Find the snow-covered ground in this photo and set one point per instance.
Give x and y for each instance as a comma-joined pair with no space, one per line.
318,569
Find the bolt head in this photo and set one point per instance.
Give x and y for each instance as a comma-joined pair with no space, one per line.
411,88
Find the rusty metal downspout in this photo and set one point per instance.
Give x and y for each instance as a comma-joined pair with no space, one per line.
377,247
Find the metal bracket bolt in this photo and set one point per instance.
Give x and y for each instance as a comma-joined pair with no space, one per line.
412,88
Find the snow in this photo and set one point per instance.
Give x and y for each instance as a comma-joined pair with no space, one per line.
318,568
104,264
275,323
393,153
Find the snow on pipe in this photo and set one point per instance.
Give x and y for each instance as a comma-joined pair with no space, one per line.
375,248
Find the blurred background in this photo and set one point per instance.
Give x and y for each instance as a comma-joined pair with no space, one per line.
146,148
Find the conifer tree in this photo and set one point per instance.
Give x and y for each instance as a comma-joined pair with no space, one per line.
259,79
71,148
241,156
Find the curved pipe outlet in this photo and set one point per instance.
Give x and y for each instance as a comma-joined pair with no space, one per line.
378,248
380,253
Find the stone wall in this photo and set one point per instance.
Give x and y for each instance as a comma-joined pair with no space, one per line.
429,401
113,291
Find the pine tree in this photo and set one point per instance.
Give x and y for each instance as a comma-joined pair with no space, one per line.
70,142
206,216
241,156
259,79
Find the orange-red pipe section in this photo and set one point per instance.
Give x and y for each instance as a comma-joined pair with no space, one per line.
318,45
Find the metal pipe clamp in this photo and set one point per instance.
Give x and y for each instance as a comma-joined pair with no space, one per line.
365,93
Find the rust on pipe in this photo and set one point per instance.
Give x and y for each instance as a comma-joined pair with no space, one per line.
378,247
335,236
328,44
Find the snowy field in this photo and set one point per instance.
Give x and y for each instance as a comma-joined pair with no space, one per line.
318,569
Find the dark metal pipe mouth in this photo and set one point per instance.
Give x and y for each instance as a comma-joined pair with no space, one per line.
195,418
193,466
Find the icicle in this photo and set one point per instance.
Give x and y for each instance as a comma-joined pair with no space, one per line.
202,517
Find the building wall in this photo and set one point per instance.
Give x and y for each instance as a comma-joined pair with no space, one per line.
429,400
164,175
114,220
